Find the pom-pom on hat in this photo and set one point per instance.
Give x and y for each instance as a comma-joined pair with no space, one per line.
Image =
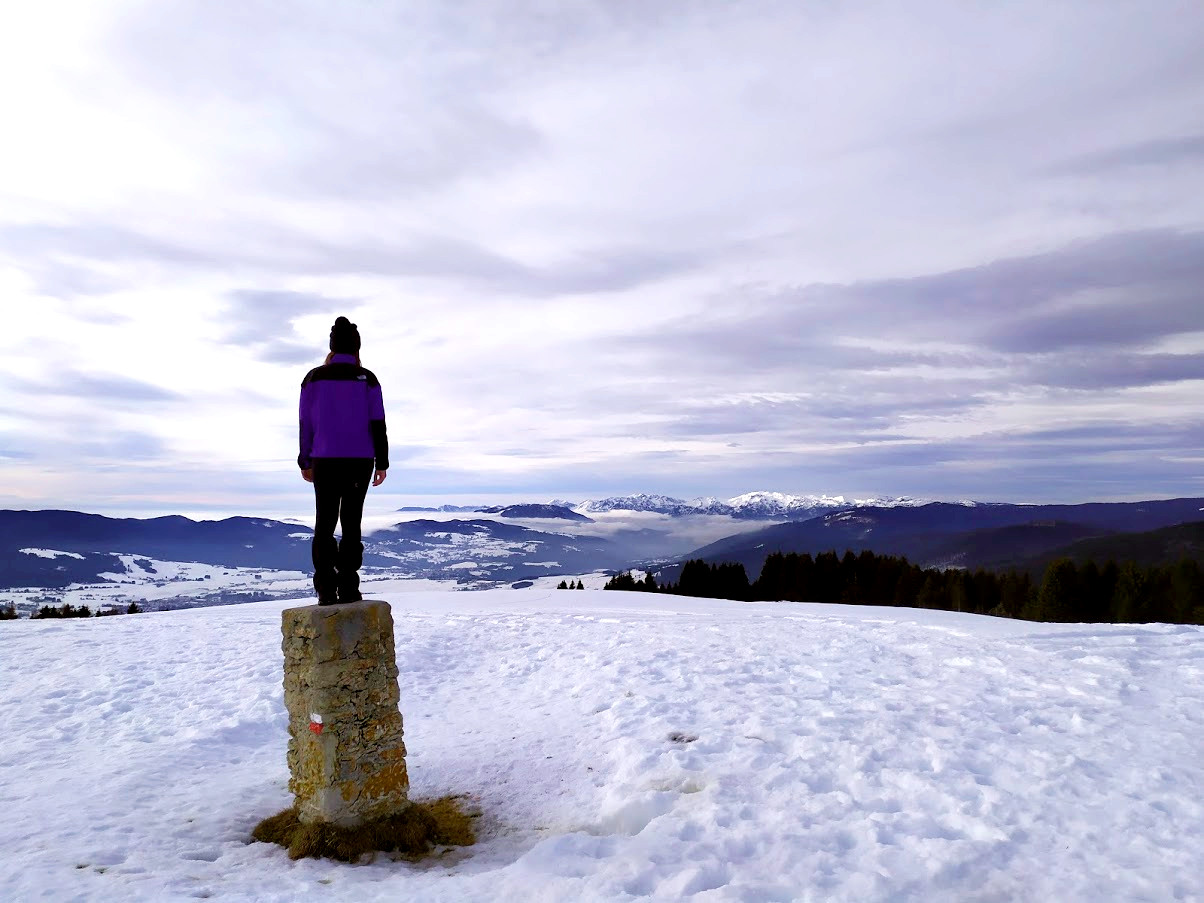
344,337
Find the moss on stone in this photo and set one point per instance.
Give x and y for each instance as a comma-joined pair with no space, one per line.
415,831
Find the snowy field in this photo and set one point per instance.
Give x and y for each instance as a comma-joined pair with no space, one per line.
156,584
626,746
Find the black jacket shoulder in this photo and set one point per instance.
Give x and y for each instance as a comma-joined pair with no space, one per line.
340,373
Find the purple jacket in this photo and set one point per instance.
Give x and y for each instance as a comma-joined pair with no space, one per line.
342,414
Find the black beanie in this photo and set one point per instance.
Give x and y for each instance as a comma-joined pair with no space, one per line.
344,337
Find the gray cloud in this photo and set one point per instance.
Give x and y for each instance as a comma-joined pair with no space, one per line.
98,241
73,260
108,388
262,321
1137,318
989,299
286,352
1101,461
1095,370
390,156
414,110
64,259
1157,152
115,448
255,316
844,420
1057,317
597,270
97,448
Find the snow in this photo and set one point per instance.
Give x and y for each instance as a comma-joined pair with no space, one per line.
625,746
50,553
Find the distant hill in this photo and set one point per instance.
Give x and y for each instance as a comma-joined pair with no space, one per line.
541,512
1003,547
54,549
943,534
1153,548
92,539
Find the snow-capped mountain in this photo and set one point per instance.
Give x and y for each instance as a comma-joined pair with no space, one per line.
776,504
653,504
750,506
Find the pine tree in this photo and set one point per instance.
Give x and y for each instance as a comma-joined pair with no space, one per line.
908,587
1187,590
774,581
1014,594
933,594
959,591
1059,590
695,578
1131,602
1093,599
731,581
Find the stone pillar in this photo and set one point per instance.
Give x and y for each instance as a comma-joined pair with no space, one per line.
346,757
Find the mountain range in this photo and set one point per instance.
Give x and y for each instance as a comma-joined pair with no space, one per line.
750,506
57,549
951,535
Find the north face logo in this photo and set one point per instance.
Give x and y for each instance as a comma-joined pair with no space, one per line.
361,376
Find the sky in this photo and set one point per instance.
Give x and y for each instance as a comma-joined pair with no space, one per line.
940,249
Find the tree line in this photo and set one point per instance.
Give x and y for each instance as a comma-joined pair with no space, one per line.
1067,592
67,610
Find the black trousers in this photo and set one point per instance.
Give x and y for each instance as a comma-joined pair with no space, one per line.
340,485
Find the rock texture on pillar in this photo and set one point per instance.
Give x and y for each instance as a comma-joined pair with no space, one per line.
346,757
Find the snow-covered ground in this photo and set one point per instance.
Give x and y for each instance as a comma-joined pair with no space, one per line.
156,584
626,746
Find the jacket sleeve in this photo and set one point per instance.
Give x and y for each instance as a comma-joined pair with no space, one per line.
380,436
306,419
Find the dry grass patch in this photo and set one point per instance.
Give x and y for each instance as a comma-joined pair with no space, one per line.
418,830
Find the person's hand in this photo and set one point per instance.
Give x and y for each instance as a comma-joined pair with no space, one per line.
308,475
378,478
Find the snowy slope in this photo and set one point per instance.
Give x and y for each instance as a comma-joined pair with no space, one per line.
626,746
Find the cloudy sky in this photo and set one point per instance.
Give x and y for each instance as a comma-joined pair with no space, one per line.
947,249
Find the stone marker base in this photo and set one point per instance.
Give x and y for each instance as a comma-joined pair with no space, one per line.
346,757
414,832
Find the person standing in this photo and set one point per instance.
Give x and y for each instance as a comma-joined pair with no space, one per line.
344,447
